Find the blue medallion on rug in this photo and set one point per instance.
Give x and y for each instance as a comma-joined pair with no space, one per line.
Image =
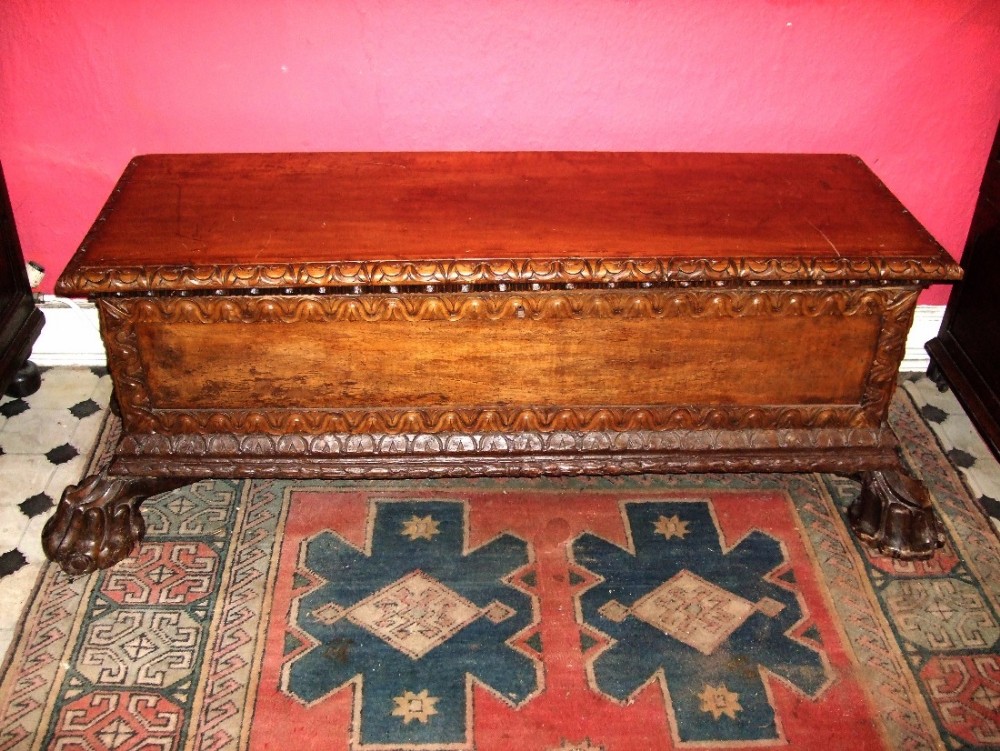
410,621
703,620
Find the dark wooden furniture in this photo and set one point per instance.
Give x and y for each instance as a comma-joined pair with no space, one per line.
400,315
966,352
20,320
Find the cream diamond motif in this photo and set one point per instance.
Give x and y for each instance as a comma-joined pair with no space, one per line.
414,614
498,612
694,611
328,614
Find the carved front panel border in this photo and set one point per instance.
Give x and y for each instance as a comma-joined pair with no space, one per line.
892,305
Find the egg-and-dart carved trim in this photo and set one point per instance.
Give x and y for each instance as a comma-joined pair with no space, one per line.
499,306
81,280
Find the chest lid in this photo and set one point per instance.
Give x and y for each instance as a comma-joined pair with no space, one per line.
239,222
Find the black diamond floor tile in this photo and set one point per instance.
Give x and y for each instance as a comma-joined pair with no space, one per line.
62,454
84,409
992,506
37,504
11,561
961,458
14,407
99,370
933,414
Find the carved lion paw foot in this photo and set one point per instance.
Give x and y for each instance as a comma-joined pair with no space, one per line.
894,515
98,522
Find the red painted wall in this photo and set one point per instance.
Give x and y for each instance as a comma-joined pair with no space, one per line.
912,86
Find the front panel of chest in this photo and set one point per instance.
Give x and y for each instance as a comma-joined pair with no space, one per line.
543,361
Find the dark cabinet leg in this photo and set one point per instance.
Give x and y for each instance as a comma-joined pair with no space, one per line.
935,374
97,522
893,514
26,380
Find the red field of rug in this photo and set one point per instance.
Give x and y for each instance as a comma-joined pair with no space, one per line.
569,705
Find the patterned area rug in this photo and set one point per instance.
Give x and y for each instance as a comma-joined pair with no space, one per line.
627,614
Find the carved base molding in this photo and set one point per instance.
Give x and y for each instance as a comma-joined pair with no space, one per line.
265,445
527,453
373,468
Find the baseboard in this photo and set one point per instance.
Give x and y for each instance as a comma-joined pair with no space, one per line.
926,324
71,337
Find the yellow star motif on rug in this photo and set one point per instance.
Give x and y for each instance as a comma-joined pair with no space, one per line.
719,700
420,528
672,527
411,706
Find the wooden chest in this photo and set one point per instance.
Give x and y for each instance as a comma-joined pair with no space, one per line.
400,315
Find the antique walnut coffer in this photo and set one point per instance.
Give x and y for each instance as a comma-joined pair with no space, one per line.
426,315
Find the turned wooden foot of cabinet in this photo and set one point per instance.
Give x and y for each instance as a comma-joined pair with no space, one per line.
98,522
894,516
935,373
26,381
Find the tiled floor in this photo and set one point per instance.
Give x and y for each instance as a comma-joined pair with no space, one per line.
44,442
960,441
46,437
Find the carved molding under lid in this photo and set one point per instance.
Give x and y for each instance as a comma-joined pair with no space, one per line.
80,279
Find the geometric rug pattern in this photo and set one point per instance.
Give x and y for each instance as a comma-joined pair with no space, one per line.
647,612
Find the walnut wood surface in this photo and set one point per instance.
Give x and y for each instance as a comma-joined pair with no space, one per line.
546,361
313,220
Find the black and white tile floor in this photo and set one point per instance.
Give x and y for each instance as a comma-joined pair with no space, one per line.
45,440
960,442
